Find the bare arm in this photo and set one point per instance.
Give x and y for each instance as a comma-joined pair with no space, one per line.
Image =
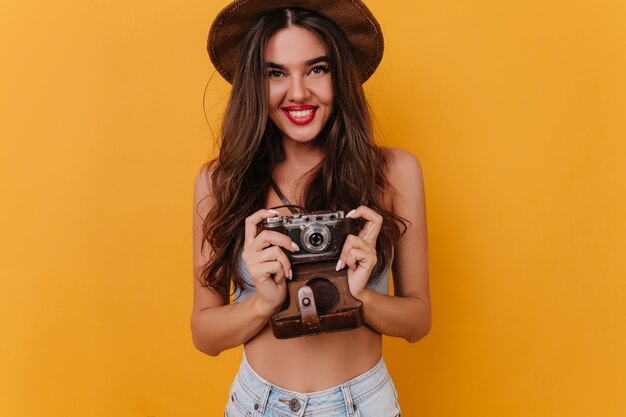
408,313
216,325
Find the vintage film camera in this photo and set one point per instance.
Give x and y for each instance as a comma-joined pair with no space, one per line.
318,297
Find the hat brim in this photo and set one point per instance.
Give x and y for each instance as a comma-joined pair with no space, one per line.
359,25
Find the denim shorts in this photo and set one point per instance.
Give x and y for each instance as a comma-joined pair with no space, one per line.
371,394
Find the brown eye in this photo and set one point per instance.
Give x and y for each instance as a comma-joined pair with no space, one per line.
274,73
320,69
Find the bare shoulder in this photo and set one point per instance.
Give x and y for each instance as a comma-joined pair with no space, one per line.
203,189
404,171
203,178
402,160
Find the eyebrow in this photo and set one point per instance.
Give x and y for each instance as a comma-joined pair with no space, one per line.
313,61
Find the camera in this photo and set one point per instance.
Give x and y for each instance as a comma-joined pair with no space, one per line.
319,298
320,235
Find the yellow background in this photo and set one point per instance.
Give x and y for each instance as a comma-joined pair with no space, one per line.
516,110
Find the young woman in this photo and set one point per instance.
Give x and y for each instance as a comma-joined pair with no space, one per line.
297,129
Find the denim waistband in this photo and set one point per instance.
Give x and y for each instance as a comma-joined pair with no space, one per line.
292,403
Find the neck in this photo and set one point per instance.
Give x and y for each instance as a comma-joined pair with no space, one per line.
301,157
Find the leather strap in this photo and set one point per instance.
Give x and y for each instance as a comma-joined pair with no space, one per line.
308,311
282,197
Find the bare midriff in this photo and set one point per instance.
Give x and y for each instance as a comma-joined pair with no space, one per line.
314,363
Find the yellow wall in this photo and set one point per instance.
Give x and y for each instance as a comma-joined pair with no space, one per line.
515,109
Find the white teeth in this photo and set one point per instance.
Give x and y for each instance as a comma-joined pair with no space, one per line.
303,113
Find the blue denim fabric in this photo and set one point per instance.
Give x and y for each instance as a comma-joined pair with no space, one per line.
371,394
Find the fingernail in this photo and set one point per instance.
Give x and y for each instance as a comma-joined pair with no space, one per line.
351,213
290,274
273,211
339,265
296,247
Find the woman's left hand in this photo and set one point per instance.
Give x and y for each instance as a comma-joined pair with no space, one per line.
359,252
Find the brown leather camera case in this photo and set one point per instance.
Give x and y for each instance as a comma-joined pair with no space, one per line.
318,301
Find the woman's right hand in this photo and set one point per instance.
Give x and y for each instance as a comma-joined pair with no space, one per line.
266,262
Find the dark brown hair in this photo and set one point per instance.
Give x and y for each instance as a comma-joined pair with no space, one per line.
351,173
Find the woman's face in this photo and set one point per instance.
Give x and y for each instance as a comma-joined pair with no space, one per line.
299,83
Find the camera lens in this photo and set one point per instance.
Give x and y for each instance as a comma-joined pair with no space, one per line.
316,239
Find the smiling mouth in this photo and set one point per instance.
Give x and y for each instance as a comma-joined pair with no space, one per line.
300,116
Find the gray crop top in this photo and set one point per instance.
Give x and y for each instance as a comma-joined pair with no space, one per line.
381,285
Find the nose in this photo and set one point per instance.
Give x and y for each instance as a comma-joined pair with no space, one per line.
298,90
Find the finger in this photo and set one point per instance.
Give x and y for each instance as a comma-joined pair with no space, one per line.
347,245
279,276
354,250
274,253
263,270
268,238
373,222
253,220
272,269
351,242
351,261
360,258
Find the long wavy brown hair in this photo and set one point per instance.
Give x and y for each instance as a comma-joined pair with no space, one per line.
352,170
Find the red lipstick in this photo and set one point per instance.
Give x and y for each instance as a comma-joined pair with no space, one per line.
305,115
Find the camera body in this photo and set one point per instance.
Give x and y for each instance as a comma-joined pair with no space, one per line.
319,298
320,235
